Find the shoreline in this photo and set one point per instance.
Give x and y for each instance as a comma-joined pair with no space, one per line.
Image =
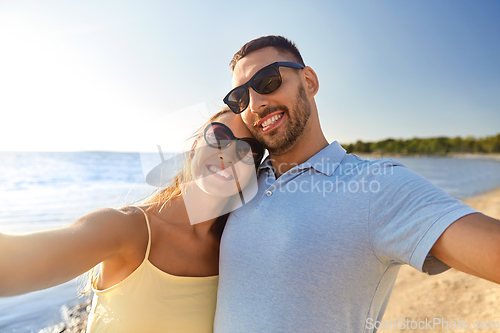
487,202
495,157
74,319
492,156
451,296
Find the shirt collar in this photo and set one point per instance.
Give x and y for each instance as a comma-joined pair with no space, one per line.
325,161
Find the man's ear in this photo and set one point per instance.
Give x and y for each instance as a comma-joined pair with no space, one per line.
311,81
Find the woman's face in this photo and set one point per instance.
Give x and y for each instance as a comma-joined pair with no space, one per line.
221,172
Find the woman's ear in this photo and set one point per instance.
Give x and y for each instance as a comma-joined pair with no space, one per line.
193,147
311,81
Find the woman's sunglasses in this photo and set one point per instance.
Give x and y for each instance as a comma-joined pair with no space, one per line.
249,151
265,81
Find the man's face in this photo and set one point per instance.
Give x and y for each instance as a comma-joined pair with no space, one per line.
277,119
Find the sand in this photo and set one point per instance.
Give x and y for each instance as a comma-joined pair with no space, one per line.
449,297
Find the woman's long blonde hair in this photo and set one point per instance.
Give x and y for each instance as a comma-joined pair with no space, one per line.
162,197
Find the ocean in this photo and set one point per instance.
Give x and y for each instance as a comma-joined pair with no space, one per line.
43,190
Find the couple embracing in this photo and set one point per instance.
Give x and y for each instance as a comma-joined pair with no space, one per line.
308,252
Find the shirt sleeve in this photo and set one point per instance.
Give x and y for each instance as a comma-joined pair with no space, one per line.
407,215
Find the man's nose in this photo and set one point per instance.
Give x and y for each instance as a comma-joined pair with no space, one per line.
257,101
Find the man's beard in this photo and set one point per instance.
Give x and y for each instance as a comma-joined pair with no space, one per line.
280,143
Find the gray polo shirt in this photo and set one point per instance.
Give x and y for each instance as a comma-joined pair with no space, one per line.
319,249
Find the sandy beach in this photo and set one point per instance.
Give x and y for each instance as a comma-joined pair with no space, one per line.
447,297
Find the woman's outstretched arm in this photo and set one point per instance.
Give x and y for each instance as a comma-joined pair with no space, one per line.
45,259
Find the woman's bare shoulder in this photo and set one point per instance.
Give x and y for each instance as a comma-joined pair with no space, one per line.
123,222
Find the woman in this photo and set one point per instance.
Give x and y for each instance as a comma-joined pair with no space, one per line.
159,261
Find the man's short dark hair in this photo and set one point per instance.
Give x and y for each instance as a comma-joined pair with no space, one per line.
279,42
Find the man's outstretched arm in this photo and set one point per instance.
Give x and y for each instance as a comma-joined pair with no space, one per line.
471,244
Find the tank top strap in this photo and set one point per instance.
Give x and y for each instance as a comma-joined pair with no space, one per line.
149,232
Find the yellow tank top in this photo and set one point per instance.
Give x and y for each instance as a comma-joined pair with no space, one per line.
150,300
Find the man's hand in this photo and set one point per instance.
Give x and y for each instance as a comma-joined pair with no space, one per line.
472,245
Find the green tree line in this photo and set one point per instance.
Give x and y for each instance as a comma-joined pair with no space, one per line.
430,146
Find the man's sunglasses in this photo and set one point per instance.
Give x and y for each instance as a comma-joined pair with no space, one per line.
218,135
265,81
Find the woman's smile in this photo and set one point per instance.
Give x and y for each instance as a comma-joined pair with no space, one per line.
217,171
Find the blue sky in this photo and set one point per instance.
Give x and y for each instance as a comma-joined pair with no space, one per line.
95,75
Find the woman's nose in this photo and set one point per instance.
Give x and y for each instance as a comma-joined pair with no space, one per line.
227,156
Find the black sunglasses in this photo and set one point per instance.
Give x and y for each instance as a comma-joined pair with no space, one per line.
218,135
265,81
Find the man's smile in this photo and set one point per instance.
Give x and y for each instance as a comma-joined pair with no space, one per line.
271,121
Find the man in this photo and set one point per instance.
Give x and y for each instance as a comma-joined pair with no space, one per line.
319,247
